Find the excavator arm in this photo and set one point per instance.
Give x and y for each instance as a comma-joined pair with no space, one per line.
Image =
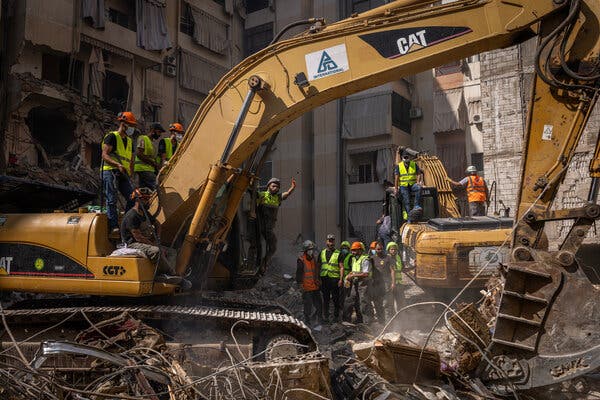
291,77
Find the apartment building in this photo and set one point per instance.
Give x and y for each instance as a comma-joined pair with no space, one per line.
72,65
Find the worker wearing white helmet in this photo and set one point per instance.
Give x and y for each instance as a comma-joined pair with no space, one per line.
477,191
267,207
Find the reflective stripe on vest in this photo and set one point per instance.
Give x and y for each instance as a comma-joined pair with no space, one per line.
121,154
309,279
357,262
407,178
141,165
398,268
331,268
269,200
476,189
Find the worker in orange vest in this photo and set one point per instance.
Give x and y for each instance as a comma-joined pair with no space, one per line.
307,277
477,191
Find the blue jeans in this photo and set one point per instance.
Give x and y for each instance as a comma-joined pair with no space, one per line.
112,181
405,191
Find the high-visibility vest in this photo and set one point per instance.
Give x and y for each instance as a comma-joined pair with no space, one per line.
347,263
309,279
330,268
357,263
269,200
122,153
398,268
141,165
169,150
407,178
476,189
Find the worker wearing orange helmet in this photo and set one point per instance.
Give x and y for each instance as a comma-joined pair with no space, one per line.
167,146
353,286
117,166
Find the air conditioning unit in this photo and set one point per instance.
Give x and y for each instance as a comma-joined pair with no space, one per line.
170,70
415,112
171,60
476,118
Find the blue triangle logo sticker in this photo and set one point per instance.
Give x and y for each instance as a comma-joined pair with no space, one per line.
326,63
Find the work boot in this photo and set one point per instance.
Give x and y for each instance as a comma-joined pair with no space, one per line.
168,279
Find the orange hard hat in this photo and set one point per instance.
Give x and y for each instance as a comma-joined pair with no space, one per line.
373,244
127,117
176,126
356,246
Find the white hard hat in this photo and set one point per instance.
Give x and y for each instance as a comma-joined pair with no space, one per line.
471,168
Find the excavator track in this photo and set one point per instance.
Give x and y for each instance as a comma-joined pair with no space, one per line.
180,322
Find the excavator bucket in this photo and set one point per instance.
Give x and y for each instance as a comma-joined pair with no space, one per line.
547,326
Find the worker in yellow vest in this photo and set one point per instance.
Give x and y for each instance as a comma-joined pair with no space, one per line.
331,277
146,164
409,180
167,146
117,166
360,269
477,191
307,278
397,286
267,207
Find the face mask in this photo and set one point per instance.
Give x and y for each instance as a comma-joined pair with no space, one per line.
405,159
309,253
373,252
179,138
130,131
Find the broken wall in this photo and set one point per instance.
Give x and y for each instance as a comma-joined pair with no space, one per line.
506,78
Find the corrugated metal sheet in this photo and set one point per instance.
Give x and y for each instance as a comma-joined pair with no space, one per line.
367,116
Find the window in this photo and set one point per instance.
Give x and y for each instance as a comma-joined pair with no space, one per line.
115,93
477,161
362,166
256,5
257,38
450,68
400,112
123,13
186,23
63,70
358,6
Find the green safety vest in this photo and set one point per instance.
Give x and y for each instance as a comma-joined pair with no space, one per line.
269,200
140,165
398,269
357,262
331,268
407,178
168,150
347,264
122,152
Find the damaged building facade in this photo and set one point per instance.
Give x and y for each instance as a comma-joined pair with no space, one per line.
72,65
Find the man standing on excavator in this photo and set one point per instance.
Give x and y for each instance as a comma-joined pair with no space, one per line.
268,205
116,166
146,164
167,146
477,191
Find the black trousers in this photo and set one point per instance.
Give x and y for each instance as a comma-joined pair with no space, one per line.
312,300
374,299
330,291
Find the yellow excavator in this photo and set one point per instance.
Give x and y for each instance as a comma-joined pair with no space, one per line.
547,325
